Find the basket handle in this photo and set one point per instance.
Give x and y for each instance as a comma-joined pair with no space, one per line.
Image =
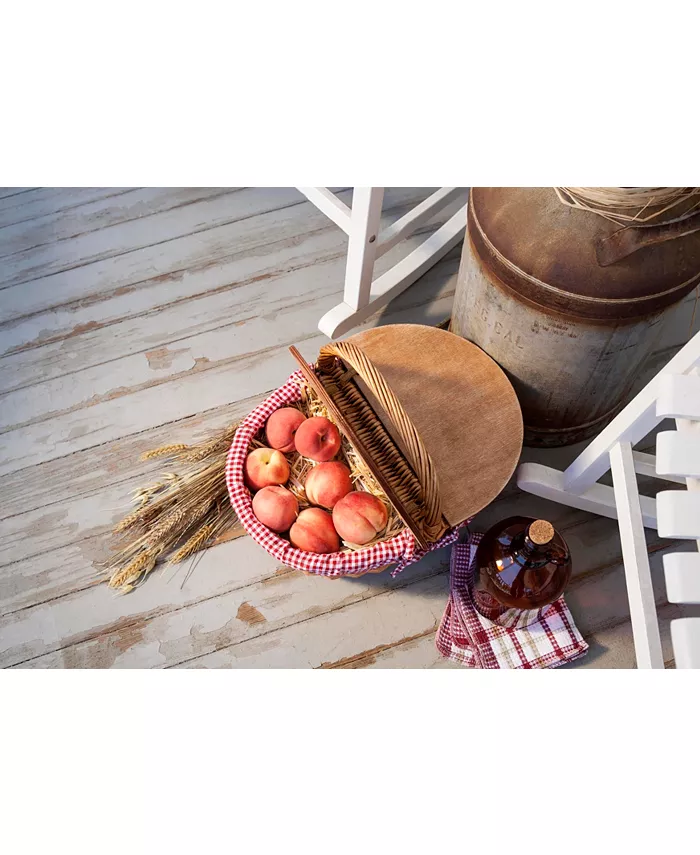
416,452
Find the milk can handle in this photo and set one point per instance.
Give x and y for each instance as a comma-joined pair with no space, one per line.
628,240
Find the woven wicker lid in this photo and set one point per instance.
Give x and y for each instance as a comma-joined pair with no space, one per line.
461,403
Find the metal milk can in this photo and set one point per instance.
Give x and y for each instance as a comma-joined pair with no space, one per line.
567,302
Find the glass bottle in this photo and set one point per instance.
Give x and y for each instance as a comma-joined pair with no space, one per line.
521,563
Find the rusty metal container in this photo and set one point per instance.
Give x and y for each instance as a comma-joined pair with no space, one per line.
569,304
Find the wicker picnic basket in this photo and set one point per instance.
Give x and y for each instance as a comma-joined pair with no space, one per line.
431,416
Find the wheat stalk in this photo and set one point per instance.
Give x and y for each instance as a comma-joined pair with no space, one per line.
194,544
165,451
135,571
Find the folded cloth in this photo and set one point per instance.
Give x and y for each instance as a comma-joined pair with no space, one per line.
507,638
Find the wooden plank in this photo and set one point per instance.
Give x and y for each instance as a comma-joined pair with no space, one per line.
86,472
132,205
63,478
48,200
79,619
396,630
679,397
376,623
242,328
262,228
162,625
77,615
327,202
5,192
416,217
90,326
99,343
230,374
44,262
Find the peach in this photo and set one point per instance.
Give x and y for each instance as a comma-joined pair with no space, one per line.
327,483
318,439
313,532
275,507
281,427
265,467
359,517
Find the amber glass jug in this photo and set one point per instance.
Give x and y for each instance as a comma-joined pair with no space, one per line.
521,563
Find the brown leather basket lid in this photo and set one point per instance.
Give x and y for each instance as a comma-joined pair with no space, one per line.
461,403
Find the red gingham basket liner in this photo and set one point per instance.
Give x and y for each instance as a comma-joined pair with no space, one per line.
401,549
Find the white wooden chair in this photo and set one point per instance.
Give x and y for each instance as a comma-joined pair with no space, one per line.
364,295
673,393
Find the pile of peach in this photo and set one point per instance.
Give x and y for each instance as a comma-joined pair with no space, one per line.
357,517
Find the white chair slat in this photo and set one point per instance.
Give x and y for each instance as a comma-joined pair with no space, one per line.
678,514
678,396
678,453
682,572
685,640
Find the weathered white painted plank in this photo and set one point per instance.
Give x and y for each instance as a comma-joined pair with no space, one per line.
233,378
130,235
202,279
64,479
597,591
242,233
13,191
332,641
61,570
47,200
170,626
231,299
82,623
240,321
395,630
38,549
116,463
45,261
135,204
61,523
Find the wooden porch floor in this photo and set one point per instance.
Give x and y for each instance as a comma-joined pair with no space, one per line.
134,317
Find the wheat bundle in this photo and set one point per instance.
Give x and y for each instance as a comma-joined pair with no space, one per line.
189,510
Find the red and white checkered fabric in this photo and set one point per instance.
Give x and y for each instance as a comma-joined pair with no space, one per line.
508,638
400,550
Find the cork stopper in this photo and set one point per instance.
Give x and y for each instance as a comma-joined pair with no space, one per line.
540,532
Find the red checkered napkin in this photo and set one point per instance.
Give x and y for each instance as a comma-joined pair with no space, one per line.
508,638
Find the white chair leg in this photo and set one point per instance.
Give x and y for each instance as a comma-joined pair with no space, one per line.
645,625
362,245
